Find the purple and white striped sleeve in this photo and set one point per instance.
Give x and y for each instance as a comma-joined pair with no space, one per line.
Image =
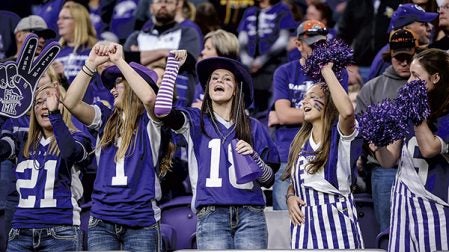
164,98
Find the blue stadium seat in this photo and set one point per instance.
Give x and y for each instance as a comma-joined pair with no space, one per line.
382,239
367,219
177,214
3,231
168,235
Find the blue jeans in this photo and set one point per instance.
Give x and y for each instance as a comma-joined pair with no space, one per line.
7,175
105,235
381,182
231,227
58,238
280,189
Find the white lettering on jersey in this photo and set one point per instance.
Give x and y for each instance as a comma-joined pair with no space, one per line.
50,168
214,179
120,179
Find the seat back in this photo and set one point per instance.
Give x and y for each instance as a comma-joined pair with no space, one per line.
367,219
178,214
3,231
382,239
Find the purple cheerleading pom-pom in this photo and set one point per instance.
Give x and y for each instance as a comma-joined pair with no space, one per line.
382,123
335,51
413,101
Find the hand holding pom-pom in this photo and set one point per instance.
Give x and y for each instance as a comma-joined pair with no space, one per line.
335,51
382,124
413,101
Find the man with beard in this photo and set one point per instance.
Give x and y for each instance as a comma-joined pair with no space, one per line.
161,35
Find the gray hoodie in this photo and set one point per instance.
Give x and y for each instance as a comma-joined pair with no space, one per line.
382,87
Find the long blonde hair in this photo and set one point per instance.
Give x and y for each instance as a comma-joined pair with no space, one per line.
84,33
35,132
329,118
123,123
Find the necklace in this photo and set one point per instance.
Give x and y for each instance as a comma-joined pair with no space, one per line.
223,137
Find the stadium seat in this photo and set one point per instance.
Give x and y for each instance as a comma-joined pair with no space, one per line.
367,219
382,239
3,231
168,234
177,214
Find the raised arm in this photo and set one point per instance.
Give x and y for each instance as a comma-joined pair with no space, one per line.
140,87
70,148
340,99
164,99
73,100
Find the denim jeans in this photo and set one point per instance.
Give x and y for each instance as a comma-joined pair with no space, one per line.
105,235
280,189
381,182
231,227
58,238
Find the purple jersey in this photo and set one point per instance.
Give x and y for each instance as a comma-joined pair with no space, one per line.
73,61
211,170
268,22
289,83
126,190
49,186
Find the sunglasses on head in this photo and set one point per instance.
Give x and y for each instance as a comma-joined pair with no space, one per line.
404,57
314,32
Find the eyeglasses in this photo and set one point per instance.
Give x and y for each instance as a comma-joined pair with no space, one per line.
65,18
168,2
443,8
403,57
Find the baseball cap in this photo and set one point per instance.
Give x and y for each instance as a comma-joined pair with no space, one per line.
402,41
311,31
35,24
409,13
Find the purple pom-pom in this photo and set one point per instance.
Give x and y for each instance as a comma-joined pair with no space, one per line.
335,51
413,101
382,123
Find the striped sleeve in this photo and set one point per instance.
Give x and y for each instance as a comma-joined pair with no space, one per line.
164,98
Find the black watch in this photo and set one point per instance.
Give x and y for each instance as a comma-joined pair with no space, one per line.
54,112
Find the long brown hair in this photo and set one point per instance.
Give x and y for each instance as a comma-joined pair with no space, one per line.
436,61
123,123
329,118
238,115
36,132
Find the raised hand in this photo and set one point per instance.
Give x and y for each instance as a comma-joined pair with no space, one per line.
52,100
180,56
19,79
115,52
98,55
